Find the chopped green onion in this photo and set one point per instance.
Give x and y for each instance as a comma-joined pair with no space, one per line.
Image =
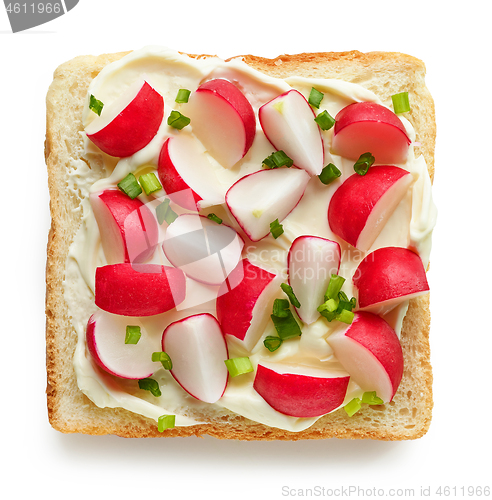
334,287
353,407
268,162
177,120
325,120
371,398
276,228
238,366
329,315
132,335
315,98
164,358
278,159
286,326
95,105
183,96
331,305
290,293
281,308
329,174
214,218
345,316
272,343
166,422
165,213
130,186
353,302
361,166
150,183
401,103
149,384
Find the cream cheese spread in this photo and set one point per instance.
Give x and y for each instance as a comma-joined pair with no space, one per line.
168,71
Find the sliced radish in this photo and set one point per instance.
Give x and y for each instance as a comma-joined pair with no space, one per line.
105,337
204,250
244,302
301,391
312,260
288,123
388,276
187,175
258,199
364,127
361,206
139,289
128,229
198,350
129,123
370,351
223,119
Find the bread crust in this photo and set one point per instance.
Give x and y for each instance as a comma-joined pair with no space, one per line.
408,416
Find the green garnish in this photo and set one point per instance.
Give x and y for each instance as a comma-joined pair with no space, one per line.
132,335
272,343
214,218
345,316
183,96
177,120
280,308
149,384
290,293
315,98
329,174
401,103
166,422
361,166
325,120
164,358
334,287
353,407
165,213
95,105
150,183
371,398
238,366
276,229
286,326
278,159
130,186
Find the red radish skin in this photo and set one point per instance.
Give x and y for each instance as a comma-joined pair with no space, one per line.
355,200
389,274
134,127
300,395
363,127
128,229
139,289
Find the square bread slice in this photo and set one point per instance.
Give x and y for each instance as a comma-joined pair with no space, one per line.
408,416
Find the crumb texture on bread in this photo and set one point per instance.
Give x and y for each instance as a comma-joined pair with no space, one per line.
406,417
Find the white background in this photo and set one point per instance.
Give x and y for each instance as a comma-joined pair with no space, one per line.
453,38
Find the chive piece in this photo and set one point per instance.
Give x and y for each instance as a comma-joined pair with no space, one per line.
331,305
166,422
315,98
290,293
132,335
149,384
281,308
371,398
164,358
177,120
361,166
353,302
345,316
165,213
276,229
150,183
334,287
95,105
401,103
287,326
268,162
325,120
130,186
272,343
238,366
281,159
353,407
323,310
214,218
329,174
183,96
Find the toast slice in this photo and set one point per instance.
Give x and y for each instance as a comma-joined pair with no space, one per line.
408,416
